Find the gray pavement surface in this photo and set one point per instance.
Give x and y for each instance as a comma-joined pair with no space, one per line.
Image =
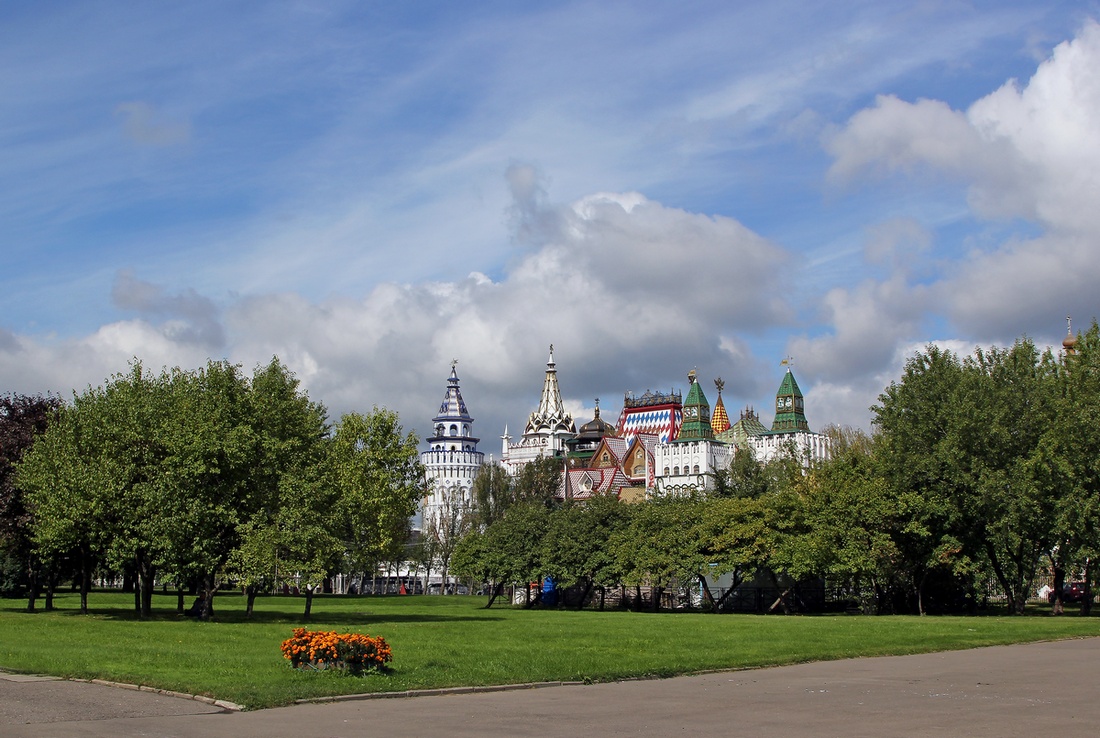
1041,688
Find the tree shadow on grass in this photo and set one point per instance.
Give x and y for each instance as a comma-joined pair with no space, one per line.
337,610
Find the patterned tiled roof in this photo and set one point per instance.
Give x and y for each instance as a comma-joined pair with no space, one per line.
719,421
581,484
663,422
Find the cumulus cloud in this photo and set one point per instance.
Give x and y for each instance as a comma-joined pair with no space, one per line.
632,293
868,322
1026,152
189,317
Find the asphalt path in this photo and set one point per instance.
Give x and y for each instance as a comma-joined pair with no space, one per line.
1040,688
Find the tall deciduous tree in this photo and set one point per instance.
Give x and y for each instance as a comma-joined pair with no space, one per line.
1072,448
492,493
379,480
576,543
921,460
444,526
22,418
287,493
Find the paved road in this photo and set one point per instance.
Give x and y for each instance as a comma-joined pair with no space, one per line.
1035,689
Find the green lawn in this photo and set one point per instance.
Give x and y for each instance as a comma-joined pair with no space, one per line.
454,641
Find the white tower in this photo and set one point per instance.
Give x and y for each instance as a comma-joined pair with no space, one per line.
452,460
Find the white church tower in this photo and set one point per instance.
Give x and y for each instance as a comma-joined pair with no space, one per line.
452,460
547,430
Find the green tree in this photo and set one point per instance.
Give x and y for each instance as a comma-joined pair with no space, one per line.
1009,496
445,525
1071,448
853,523
22,418
734,538
287,492
492,493
577,543
379,480
920,458
538,481
745,477
661,547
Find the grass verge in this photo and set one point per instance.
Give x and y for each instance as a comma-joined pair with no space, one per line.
454,641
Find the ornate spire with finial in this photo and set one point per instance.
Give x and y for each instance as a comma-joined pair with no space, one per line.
1069,343
719,419
550,417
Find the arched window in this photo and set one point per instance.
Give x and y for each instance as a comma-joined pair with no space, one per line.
675,471
695,469
454,430
465,430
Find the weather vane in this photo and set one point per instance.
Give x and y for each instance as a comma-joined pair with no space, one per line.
720,384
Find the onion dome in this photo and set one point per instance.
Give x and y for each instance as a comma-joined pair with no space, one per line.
1069,343
597,427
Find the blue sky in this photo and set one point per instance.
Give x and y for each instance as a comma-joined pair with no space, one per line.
370,190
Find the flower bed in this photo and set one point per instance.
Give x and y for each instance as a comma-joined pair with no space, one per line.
351,652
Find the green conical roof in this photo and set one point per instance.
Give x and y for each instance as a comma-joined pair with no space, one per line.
790,412
696,414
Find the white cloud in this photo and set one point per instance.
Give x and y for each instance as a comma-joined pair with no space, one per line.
1028,152
632,293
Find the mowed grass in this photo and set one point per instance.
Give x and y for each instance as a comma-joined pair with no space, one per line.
454,641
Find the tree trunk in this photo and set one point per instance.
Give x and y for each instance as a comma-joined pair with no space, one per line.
143,592
726,595
708,598
920,592
309,601
51,586
603,593
1086,604
179,598
588,585
32,589
1058,608
1010,595
209,587
250,599
497,589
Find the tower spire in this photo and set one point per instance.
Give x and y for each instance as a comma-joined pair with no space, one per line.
551,414
719,419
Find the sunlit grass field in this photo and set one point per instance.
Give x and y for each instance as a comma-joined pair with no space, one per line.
454,641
